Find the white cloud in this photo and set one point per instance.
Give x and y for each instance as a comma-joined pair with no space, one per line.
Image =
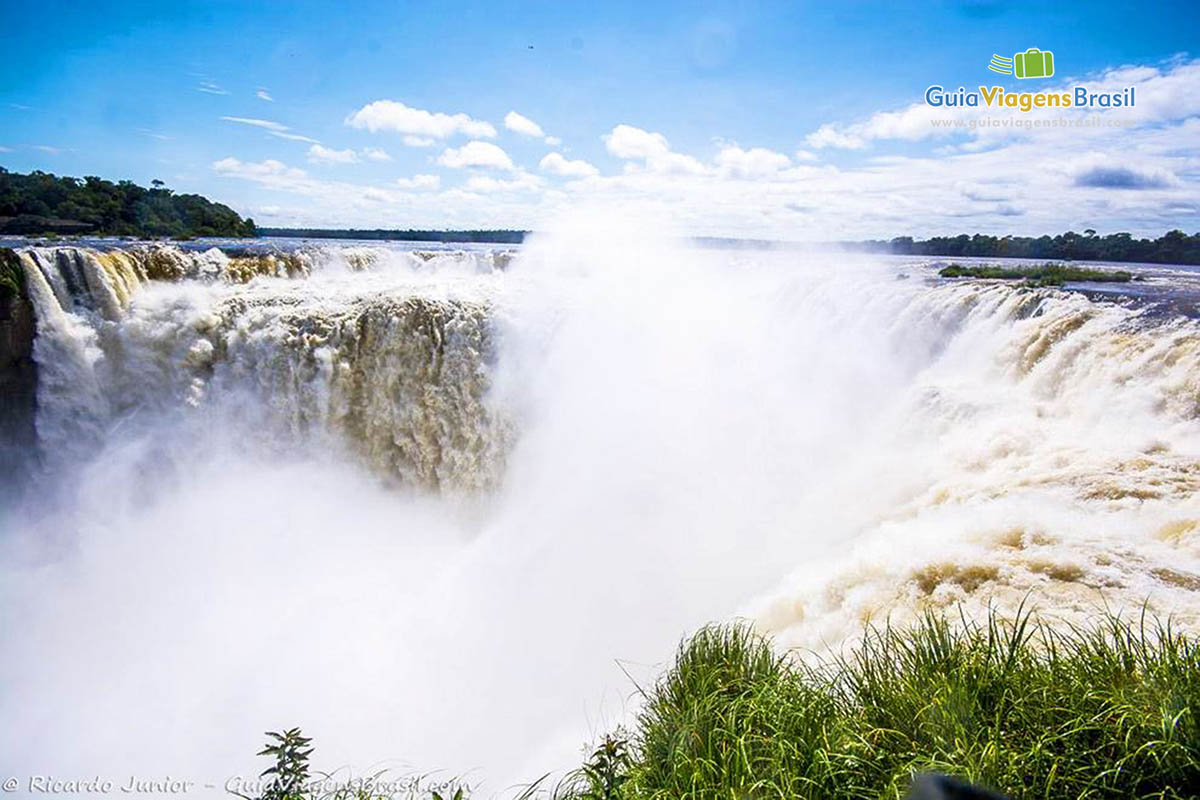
418,141
208,87
1144,178
522,125
523,182
327,155
270,171
265,124
626,141
294,137
390,115
830,135
757,162
634,144
1163,94
271,127
475,154
263,94
557,164
419,182
553,141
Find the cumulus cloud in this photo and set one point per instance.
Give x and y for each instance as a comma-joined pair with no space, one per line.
391,115
328,198
1140,178
553,141
484,184
626,141
757,162
475,154
557,164
652,149
327,155
319,154
419,182
270,171
522,125
419,141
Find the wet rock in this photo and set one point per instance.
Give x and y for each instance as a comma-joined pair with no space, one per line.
18,374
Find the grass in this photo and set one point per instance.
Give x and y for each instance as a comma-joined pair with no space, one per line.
1109,711
1048,274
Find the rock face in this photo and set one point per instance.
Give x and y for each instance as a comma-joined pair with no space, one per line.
18,375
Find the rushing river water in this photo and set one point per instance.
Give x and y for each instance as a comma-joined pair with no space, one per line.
419,501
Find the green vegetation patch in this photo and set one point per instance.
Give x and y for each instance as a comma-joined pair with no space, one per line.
41,203
1173,247
1048,274
12,277
1033,711
1110,711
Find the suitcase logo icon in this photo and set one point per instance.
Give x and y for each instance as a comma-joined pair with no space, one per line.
1033,63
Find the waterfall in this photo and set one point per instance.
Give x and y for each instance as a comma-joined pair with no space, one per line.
419,502
399,378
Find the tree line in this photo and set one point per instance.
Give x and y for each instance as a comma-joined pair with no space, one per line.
410,235
1173,247
40,203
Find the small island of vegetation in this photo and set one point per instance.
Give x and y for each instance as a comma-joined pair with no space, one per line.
41,203
1048,274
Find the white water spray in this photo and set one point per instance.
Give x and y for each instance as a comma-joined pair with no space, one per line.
419,504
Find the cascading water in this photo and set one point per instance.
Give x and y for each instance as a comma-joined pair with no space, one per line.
398,373
418,503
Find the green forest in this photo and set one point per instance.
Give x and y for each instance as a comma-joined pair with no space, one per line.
1174,247
40,203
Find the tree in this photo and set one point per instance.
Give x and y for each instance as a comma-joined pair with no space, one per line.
41,203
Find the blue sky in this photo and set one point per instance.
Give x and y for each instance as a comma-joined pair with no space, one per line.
255,104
